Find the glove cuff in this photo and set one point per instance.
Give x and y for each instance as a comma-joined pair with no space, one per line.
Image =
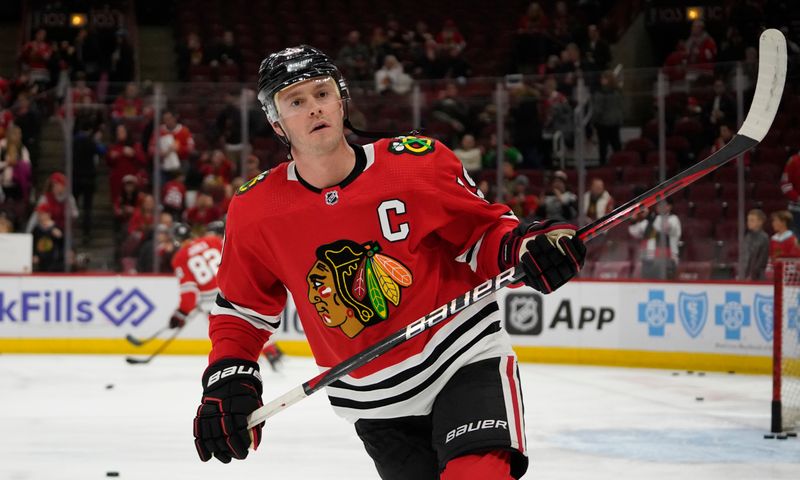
226,370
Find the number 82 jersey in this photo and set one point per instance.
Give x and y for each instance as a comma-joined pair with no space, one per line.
196,265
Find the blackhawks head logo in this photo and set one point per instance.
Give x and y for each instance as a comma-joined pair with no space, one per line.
412,145
351,285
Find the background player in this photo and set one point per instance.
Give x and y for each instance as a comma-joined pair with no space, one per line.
368,239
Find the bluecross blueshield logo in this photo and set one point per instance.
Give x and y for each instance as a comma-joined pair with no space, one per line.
120,307
656,313
763,312
733,315
793,322
693,310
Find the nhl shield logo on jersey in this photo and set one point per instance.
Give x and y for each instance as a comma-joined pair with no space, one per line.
412,145
252,182
351,285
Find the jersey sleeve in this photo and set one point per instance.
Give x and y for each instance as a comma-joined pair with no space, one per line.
251,298
187,284
465,218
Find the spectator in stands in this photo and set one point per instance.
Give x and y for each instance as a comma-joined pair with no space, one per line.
87,149
16,178
218,168
511,154
165,248
520,199
6,118
558,203
203,212
124,157
556,114
175,144
190,53
124,207
597,202
531,42
143,218
5,225
562,23
35,56
675,63
48,242
732,47
226,52
725,136
783,242
607,115
486,189
252,167
455,65
354,58
27,117
701,50
428,63
450,37
379,45
129,105
596,50
469,154
88,54
173,196
56,198
721,108
756,246
391,78
122,67
451,109
660,235
790,186
526,127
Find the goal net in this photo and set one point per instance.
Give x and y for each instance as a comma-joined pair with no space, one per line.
786,347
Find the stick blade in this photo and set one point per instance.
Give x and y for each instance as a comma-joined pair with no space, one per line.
133,340
136,361
769,86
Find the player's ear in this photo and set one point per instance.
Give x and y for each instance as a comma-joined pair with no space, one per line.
276,126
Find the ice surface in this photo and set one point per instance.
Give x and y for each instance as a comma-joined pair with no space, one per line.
59,421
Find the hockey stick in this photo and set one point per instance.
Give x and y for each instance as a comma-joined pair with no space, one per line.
141,341
769,89
167,342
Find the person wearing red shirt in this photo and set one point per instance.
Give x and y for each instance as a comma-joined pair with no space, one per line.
56,198
204,211
173,195
783,242
129,105
790,186
124,157
367,239
35,55
701,49
219,168
175,143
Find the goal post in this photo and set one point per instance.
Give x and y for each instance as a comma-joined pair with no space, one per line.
786,346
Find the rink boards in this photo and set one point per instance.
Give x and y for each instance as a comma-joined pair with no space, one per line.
696,326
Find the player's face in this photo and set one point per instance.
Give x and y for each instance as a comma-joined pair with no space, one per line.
311,115
323,294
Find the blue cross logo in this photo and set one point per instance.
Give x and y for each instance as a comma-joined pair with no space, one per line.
656,313
733,315
794,319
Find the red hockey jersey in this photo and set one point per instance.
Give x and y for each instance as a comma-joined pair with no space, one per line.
196,265
404,233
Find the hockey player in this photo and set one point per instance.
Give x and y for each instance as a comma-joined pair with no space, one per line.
368,239
196,265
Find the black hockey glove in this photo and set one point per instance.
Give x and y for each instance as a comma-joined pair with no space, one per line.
178,319
231,392
550,253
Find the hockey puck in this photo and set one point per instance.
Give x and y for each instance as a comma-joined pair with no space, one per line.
675,374
690,372
702,374
109,386
782,436
112,474
792,434
699,399
769,436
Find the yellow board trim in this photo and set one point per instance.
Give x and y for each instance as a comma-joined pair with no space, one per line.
567,355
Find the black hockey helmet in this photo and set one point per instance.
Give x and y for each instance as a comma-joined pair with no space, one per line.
181,232
292,65
216,227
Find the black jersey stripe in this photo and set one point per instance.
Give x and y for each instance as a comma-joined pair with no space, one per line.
492,328
437,352
225,304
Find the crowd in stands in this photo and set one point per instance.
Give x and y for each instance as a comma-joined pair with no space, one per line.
554,48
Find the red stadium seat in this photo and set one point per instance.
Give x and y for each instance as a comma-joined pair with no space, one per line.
709,210
624,158
639,175
640,145
702,192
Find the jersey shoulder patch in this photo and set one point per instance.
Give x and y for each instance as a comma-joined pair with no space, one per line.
248,185
414,145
